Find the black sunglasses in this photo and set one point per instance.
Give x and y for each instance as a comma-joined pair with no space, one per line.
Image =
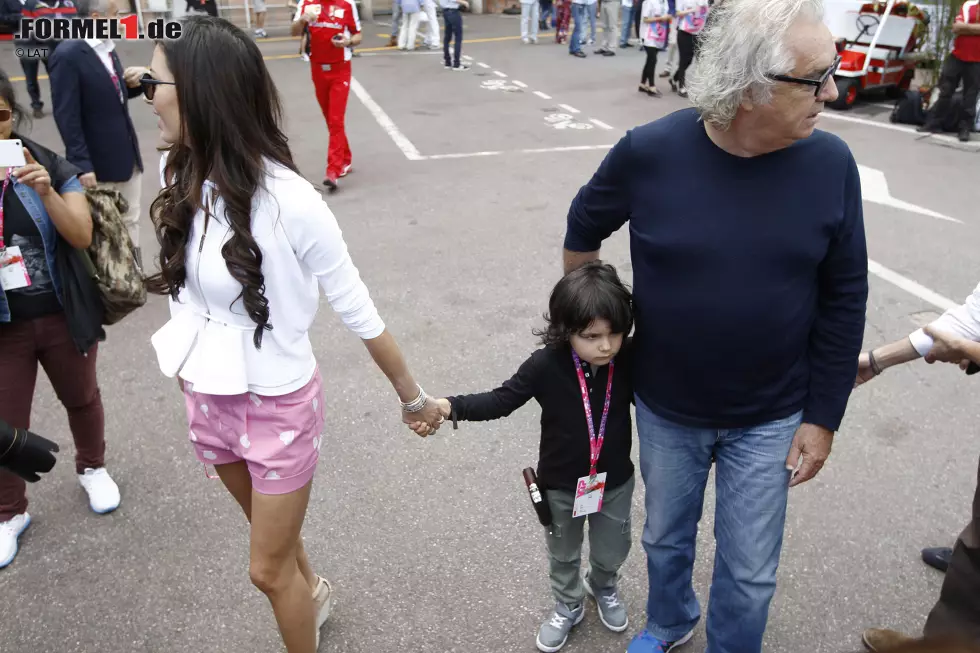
819,83
5,115
150,85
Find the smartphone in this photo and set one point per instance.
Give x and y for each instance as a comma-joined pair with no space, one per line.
12,154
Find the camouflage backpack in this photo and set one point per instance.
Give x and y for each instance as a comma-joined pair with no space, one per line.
117,272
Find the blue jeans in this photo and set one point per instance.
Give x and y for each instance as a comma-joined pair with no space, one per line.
590,11
578,16
627,23
751,493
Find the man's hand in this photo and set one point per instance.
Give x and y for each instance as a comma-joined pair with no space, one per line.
88,180
133,74
946,348
865,372
464,4
340,41
813,444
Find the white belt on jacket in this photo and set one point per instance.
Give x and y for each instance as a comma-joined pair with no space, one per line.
207,352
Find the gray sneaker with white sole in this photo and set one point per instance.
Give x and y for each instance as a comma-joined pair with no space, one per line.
554,631
612,612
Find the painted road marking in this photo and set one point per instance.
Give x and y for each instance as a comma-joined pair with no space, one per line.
467,57
565,121
410,151
569,109
543,96
911,287
482,65
541,150
499,85
499,74
874,188
520,84
599,123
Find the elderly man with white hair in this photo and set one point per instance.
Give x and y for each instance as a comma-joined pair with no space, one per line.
750,286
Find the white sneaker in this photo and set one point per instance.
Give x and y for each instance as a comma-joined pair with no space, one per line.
305,57
322,598
9,534
103,493
346,170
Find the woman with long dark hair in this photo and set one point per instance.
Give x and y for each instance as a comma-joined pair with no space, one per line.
43,210
245,241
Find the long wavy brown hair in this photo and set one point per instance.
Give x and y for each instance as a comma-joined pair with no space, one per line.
230,125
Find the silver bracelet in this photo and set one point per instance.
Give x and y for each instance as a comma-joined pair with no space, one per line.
417,404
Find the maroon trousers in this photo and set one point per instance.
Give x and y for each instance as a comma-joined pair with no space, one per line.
46,341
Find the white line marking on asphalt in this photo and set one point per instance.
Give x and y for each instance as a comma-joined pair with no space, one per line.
499,74
467,57
482,65
599,123
569,109
464,155
542,150
543,96
874,188
518,84
911,287
411,152
898,128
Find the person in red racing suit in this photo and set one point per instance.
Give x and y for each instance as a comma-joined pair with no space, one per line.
334,27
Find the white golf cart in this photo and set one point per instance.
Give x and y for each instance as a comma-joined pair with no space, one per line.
875,48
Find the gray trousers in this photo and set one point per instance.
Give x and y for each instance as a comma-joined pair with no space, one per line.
610,24
610,539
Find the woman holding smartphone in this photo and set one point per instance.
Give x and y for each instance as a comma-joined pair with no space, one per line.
246,244
43,208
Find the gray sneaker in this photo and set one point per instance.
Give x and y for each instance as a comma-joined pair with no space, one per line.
554,631
612,612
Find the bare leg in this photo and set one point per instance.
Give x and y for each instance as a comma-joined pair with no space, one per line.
276,523
237,480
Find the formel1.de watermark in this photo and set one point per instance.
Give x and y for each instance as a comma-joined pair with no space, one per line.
66,29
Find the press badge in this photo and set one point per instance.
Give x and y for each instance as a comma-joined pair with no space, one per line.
588,497
13,270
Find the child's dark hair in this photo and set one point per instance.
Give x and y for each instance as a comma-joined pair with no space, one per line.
593,291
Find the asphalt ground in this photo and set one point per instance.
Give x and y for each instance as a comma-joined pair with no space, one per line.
456,225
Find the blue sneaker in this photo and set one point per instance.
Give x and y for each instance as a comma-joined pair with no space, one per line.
647,643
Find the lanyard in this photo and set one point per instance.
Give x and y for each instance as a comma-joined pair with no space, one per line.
595,443
3,193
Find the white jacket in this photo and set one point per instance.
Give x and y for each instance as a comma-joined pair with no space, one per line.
208,340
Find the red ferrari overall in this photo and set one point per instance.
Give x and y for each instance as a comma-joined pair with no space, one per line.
330,68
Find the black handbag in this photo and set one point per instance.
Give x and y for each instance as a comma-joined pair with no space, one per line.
81,299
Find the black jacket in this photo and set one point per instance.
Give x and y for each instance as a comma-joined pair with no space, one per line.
549,377
96,127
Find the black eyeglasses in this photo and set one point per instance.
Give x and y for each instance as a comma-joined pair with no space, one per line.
819,83
150,85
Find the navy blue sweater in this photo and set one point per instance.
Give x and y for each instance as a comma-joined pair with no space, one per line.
750,274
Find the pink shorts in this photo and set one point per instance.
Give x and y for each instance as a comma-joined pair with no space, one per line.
277,437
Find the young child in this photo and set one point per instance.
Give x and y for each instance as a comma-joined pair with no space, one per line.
584,355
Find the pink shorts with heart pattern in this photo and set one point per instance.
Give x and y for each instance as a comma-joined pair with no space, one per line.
277,437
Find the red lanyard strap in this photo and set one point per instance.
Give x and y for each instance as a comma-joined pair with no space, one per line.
3,193
595,443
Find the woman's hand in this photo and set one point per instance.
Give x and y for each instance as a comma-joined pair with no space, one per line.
34,175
